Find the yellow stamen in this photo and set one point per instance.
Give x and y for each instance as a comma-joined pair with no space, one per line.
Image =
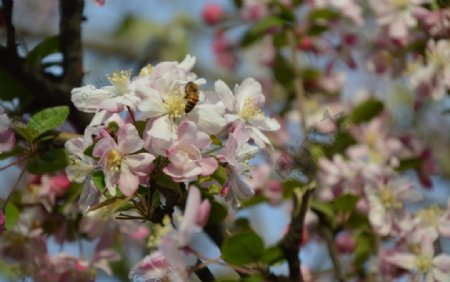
159,231
175,103
113,160
120,80
147,70
251,110
388,198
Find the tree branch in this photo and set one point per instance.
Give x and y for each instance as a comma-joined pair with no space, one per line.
203,273
46,90
293,238
334,254
70,40
10,31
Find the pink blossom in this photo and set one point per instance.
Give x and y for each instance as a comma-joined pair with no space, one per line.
7,136
424,265
345,243
120,162
432,222
386,197
212,13
2,221
245,105
224,51
100,3
398,16
253,10
186,160
235,155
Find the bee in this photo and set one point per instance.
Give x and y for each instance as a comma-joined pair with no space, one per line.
191,96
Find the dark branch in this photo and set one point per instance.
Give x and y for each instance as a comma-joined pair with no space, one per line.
70,40
293,238
10,31
46,90
203,273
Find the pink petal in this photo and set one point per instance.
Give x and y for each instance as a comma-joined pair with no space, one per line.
7,140
192,207
140,164
203,214
129,140
209,166
128,182
103,146
442,262
402,260
225,95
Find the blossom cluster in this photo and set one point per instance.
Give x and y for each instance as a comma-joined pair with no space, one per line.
178,138
369,170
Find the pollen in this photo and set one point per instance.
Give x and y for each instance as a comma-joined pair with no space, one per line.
175,104
113,160
147,70
159,231
424,264
120,80
250,110
388,198
430,215
400,3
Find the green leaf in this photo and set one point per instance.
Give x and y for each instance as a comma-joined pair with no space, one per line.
17,150
48,119
90,150
217,214
346,203
48,161
243,248
220,175
289,186
12,89
140,126
99,180
253,278
165,181
255,200
365,246
259,29
46,47
273,255
282,70
407,164
23,130
322,15
366,111
12,214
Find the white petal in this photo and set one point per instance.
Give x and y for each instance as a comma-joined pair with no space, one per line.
225,95
208,117
88,98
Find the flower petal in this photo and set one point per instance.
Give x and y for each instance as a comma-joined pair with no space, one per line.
128,182
128,139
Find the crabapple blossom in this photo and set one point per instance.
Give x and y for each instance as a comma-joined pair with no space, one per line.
121,162
423,264
253,10
212,13
236,155
163,92
185,156
348,8
386,198
172,258
398,16
433,78
7,137
113,98
432,222
80,166
246,106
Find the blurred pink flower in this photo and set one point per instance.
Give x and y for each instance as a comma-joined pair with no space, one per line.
7,136
224,51
386,197
213,13
2,221
121,163
245,105
186,160
253,10
424,265
398,16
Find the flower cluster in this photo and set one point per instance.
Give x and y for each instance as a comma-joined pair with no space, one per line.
162,121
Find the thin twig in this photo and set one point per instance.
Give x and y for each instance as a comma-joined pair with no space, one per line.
327,235
10,30
298,82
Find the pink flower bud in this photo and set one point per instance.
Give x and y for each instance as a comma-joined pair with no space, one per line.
212,13
345,243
